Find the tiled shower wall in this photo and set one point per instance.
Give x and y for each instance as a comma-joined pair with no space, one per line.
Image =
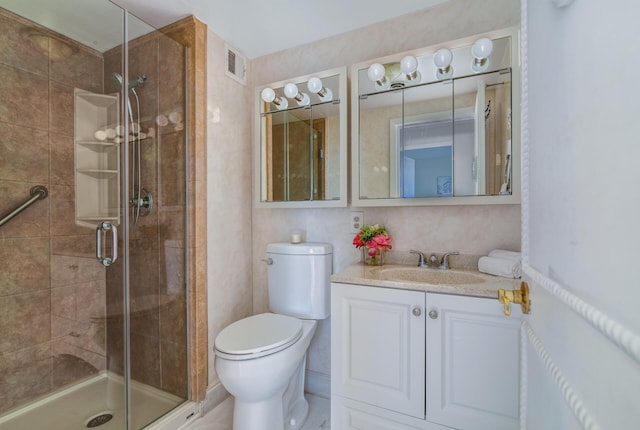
54,296
51,289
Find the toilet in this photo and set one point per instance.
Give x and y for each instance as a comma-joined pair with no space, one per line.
260,360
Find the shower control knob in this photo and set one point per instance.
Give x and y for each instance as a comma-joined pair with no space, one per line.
416,311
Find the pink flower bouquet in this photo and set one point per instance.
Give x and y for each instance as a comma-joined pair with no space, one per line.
375,240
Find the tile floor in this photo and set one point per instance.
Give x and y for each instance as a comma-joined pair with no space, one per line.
221,417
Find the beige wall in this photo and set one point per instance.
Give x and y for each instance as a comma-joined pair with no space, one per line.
238,232
228,197
468,229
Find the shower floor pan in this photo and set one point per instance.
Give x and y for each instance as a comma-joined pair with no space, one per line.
74,407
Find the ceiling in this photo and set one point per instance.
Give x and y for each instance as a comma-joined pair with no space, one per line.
260,27
254,27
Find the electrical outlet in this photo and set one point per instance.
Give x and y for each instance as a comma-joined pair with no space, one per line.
356,221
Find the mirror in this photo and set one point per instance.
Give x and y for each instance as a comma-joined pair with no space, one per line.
301,141
441,137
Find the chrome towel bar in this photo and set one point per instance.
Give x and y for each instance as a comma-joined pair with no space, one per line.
38,192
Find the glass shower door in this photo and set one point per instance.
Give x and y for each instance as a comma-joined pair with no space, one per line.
54,318
156,242
92,291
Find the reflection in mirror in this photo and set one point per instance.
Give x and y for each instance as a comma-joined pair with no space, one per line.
445,134
302,142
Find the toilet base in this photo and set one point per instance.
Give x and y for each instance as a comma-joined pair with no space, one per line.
287,410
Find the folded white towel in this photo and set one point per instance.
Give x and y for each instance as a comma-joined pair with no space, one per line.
509,255
500,267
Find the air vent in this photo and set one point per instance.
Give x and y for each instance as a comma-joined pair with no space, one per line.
235,65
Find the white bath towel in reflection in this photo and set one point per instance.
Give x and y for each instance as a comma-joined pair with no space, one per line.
507,268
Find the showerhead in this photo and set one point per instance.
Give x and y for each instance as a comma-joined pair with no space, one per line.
116,80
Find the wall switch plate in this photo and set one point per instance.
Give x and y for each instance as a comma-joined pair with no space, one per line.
356,221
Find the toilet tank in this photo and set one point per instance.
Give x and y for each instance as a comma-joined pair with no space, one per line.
298,277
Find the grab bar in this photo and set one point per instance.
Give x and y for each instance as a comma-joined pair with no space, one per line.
38,192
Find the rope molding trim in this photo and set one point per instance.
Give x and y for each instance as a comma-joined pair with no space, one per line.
617,333
524,378
574,401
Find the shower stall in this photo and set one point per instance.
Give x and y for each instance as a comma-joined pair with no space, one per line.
93,263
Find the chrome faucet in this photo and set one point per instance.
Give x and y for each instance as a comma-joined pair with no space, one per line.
422,261
445,260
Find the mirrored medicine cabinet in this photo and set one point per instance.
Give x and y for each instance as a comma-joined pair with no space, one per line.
438,126
301,141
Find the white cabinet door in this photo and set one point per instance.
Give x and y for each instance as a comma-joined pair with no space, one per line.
377,347
351,415
472,363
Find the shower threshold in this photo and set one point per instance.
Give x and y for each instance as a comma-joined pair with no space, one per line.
74,407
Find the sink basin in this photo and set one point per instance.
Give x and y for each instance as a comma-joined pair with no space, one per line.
429,276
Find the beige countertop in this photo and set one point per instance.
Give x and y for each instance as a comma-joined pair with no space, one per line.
463,282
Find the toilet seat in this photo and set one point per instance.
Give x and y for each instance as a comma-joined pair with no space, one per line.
257,336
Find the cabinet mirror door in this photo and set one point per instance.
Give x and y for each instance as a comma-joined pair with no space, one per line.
433,139
302,146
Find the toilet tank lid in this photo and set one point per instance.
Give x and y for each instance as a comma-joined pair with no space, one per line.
300,248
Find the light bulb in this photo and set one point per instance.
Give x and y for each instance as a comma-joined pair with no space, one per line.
443,58
291,90
482,48
268,95
408,64
314,85
376,72
481,51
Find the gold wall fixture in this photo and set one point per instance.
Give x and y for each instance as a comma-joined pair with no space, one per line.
519,297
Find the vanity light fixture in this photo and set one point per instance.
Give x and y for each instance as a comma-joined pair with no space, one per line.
409,66
291,91
376,73
269,96
442,60
481,51
315,86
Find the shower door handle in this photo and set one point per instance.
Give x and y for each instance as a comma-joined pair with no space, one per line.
106,226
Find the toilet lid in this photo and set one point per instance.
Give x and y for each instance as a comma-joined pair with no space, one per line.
259,333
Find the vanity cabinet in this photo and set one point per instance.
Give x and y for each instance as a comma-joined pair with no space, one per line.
472,363
408,359
377,350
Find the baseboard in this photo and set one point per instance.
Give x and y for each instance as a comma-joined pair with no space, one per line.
214,396
318,384
178,418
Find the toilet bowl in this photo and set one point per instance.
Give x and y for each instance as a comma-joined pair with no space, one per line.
260,360
266,378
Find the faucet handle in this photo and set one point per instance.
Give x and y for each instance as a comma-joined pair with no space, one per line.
445,259
421,261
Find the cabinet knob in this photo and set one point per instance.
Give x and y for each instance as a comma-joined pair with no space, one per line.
417,311
433,314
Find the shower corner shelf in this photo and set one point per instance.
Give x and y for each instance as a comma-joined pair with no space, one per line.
97,162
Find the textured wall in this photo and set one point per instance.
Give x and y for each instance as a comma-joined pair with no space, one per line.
468,229
228,197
